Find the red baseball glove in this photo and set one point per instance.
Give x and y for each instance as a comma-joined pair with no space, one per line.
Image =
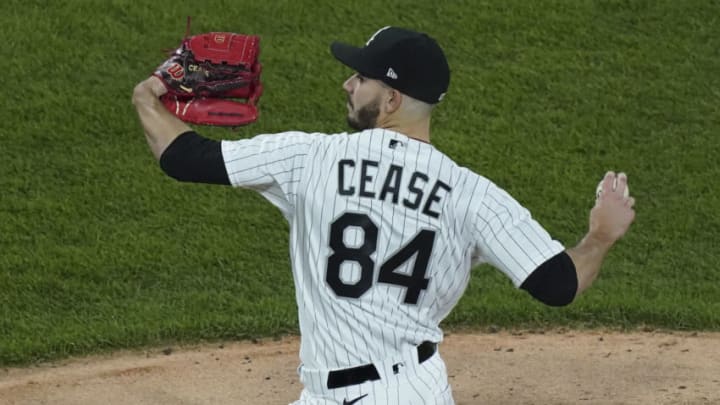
213,79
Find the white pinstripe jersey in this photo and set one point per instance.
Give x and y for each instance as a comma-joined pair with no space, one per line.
384,230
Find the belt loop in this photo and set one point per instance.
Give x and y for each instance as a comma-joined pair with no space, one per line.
425,350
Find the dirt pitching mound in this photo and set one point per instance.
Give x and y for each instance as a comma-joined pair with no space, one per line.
498,368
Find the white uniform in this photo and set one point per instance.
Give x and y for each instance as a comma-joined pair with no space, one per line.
384,230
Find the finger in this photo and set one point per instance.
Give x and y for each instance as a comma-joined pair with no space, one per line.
157,86
607,183
621,183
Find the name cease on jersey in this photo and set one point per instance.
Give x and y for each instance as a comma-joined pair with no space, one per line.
366,183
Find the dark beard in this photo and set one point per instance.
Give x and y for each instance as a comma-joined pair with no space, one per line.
366,117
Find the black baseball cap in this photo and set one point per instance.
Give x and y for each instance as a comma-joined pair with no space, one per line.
408,61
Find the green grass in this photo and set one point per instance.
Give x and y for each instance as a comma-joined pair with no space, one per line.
99,250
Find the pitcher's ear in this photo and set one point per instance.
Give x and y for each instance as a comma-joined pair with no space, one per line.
394,101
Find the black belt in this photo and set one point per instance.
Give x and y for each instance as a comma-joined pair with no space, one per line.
368,372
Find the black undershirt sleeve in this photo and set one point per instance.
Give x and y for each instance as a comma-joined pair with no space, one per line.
554,282
194,158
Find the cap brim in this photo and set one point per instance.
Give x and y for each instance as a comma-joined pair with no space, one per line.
350,56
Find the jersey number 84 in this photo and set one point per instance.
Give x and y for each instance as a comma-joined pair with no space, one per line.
414,283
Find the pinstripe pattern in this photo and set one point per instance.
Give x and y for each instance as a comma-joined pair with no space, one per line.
472,221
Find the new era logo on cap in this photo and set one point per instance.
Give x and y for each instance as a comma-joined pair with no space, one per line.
391,74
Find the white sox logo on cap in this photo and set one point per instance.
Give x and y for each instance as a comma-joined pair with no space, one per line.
375,34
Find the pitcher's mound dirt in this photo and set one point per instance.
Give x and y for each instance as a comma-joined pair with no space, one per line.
498,368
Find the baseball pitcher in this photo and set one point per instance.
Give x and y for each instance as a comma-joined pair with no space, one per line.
384,227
